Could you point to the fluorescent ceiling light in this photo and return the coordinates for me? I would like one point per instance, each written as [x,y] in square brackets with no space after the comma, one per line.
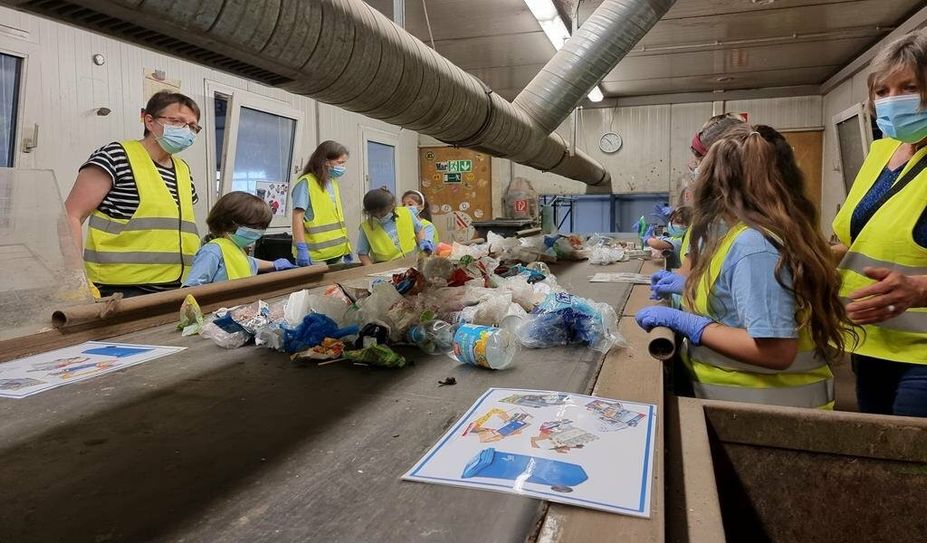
[553,27]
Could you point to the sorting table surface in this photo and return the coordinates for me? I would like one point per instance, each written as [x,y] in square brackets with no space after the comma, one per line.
[244,445]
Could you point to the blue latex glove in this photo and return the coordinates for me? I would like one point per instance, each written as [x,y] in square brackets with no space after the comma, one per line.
[665,283]
[283,264]
[302,255]
[687,324]
[649,232]
[426,246]
[663,211]
[348,259]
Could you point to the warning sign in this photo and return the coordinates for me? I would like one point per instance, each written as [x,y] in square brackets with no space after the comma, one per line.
[452,177]
[459,166]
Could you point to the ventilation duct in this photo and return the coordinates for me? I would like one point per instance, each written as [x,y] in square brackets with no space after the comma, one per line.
[587,57]
[345,53]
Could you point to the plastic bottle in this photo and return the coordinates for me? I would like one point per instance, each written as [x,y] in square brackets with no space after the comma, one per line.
[473,344]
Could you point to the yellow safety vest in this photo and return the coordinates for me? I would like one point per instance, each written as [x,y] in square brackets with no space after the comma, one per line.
[157,244]
[808,382]
[326,233]
[382,248]
[425,224]
[237,265]
[886,242]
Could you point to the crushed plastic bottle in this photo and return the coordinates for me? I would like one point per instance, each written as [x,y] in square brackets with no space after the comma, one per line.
[484,346]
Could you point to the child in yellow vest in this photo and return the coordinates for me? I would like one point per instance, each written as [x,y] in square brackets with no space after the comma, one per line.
[235,223]
[389,232]
[763,319]
[416,201]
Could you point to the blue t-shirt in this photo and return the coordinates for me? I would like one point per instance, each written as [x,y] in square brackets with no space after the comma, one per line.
[209,266]
[363,245]
[746,293]
[301,197]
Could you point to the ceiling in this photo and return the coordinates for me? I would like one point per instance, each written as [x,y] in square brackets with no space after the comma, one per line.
[700,45]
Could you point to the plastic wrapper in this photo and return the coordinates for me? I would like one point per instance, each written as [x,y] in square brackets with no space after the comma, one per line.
[490,312]
[372,333]
[382,297]
[253,316]
[191,317]
[312,331]
[329,349]
[438,270]
[301,303]
[562,318]
[270,336]
[459,251]
[499,245]
[225,332]
[605,250]
[377,355]
[522,292]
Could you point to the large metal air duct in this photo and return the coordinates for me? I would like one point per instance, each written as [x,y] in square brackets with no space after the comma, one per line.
[341,52]
[587,57]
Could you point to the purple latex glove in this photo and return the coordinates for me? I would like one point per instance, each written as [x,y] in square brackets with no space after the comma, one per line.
[302,255]
[283,264]
[687,324]
[664,283]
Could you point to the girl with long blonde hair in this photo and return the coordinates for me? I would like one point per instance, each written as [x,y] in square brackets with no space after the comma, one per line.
[762,319]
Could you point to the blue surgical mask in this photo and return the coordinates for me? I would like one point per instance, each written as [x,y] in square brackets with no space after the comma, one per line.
[676,230]
[336,171]
[901,118]
[385,218]
[245,237]
[175,140]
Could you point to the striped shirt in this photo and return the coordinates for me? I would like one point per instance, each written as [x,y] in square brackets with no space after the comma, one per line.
[121,202]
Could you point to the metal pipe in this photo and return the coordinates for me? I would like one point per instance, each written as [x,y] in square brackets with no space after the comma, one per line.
[341,52]
[588,56]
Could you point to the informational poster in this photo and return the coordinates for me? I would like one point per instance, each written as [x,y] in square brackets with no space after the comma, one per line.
[567,448]
[31,375]
[274,194]
[457,183]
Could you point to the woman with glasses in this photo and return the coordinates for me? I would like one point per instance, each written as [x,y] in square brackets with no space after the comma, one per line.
[139,200]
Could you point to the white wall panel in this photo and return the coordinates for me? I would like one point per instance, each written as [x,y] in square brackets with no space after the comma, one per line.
[71,88]
[781,113]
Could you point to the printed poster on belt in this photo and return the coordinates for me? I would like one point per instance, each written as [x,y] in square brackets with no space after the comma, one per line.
[568,448]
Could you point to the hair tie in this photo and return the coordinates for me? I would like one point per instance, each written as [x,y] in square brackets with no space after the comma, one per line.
[698,146]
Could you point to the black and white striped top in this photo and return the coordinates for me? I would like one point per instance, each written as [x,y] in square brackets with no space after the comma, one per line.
[121,201]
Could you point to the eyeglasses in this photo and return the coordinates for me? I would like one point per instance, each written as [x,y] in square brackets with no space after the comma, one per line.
[179,123]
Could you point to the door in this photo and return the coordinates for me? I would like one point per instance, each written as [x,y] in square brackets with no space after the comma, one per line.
[808,146]
[20,77]
[10,81]
[255,141]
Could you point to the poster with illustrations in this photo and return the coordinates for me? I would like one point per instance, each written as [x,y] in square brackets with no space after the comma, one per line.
[274,194]
[31,375]
[567,448]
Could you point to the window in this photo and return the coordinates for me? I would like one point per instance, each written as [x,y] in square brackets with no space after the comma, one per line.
[10,74]
[256,142]
[381,166]
[590,214]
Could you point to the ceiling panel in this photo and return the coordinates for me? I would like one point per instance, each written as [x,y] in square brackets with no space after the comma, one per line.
[736,60]
[700,8]
[745,80]
[773,23]
[497,51]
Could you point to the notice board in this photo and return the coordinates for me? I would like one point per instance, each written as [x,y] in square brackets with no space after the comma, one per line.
[458,186]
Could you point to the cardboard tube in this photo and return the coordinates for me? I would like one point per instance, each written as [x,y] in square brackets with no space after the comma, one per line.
[170,301]
[662,344]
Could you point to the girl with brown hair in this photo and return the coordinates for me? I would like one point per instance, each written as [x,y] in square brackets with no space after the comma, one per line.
[762,317]
[236,222]
[389,232]
[319,232]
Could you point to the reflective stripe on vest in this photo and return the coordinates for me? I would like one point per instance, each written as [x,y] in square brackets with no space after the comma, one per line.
[382,248]
[237,265]
[326,233]
[808,382]
[156,245]
[886,241]
[426,224]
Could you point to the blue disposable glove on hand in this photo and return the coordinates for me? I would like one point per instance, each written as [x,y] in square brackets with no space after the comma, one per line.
[687,324]
[283,264]
[664,283]
[302,255]
[426,246]
[649,232]
[663,211]
[348,259]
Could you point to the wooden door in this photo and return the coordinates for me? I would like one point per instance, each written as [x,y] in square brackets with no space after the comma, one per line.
[458,186]
[808,146]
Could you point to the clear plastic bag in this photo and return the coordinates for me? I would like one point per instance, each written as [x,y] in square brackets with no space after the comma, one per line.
[225,332]
[562,318]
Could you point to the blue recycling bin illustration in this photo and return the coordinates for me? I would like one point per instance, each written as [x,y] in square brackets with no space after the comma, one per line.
[493,464]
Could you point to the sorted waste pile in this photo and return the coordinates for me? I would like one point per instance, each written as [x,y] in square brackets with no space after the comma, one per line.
[478,304]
